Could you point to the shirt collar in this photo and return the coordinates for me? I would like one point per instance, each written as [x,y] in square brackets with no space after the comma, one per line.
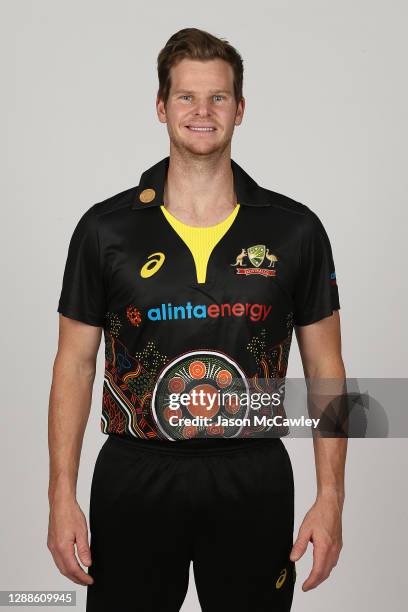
[149,192]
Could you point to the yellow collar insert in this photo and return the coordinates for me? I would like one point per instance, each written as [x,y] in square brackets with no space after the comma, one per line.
[201,240]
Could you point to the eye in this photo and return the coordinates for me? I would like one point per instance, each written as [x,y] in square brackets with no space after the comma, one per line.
[183,96]
[219,97]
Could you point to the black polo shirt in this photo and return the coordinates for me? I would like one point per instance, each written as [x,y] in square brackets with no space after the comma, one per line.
[129,272]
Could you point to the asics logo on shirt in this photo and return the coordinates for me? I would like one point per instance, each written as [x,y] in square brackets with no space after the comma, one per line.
[154,263]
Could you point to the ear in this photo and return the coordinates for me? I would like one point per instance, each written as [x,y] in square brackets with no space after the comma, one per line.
[240,111]
[161,110]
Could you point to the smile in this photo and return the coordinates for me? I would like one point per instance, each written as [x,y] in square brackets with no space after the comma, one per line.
[200,129]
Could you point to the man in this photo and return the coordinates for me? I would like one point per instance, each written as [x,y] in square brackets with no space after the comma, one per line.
[197,277]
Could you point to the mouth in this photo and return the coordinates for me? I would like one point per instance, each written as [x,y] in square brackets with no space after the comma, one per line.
[201,128]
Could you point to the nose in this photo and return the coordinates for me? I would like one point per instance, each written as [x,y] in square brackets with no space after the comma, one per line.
[202,108]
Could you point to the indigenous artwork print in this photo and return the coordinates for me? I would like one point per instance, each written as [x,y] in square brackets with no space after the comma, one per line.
[137,393]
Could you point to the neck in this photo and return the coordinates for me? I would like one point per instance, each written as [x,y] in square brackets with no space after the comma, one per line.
[198,187]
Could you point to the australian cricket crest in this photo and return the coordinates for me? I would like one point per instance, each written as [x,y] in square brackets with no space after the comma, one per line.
[250,260]
[256,254]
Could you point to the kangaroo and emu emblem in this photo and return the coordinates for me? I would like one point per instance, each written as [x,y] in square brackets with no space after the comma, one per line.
[256,255]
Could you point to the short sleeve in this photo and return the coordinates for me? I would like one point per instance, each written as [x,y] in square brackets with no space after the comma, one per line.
[316,292]
[83,292]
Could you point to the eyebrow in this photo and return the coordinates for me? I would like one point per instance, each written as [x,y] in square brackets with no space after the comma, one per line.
[212,91]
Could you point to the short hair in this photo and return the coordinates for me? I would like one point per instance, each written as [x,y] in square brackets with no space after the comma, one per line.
[195,44]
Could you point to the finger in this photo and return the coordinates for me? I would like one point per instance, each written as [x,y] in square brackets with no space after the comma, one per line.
[300,546]
[321,568]
[59,562]
[77,574]
[83,550]
[71,567]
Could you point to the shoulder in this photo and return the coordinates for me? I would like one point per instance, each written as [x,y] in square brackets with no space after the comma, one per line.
[113,205]
[298,214]
[105,213]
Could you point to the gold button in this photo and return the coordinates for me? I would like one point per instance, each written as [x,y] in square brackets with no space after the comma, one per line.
[147,195]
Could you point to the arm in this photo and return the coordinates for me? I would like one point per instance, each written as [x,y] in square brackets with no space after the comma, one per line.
[320,349]
[69,407]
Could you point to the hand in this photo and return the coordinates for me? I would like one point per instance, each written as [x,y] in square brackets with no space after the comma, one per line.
[67,526]
[322,526]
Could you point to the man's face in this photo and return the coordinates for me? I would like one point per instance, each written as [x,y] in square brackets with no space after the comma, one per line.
[201,96]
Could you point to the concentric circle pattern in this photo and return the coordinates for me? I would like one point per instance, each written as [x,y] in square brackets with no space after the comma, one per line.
[194,390]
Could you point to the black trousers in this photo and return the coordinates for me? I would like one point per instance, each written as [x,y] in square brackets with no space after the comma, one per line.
[156,506]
